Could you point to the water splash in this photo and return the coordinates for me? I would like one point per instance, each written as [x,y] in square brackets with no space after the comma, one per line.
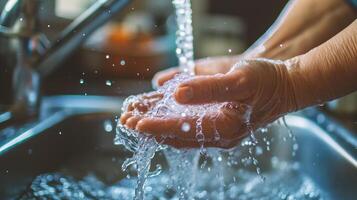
[285,182]
[182,164]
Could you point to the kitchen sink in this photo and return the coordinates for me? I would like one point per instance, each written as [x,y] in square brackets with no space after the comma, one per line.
[78,141]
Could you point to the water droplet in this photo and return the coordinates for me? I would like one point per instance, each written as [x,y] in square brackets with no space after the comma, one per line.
[295,147]
[122,62]
[200,137]
[258,150]
[186,127]
[321,118]
[108,127]
[264,130]
[178,51]
[108,83]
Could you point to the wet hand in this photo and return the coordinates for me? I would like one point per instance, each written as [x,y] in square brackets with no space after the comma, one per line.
[262,84]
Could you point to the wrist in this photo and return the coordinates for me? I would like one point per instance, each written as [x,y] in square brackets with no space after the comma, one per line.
[300,85]
[289,101]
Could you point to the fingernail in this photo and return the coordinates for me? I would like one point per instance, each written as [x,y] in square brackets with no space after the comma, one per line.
[184,94]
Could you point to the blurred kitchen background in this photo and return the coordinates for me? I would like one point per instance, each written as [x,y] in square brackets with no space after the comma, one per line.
[137,43]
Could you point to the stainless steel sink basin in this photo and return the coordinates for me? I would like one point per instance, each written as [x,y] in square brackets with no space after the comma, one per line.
[82,143]
[327,154]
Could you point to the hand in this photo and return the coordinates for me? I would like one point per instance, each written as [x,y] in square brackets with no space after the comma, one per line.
[135,110]
[206,66]
[263,84]
[223,128]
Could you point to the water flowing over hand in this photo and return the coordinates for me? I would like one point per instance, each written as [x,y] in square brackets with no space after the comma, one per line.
[263,85]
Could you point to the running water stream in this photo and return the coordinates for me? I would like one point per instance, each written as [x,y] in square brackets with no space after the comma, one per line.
[183,163]
[143,147]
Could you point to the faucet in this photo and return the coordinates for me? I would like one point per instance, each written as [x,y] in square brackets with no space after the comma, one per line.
[36,56]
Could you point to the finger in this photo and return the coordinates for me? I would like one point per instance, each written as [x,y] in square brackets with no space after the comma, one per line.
[124,117]
[153,101]
[163,76]
[206,89]
[140,106]
[152,95]
[183,128]
[211,66]
[130,107]
[145,102]
[168,127]
[132,121]
[232,121]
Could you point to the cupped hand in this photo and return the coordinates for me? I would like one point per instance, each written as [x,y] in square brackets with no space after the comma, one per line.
[262,84]
[222,128]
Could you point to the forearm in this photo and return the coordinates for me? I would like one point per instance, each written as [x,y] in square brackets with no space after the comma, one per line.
[303,25]
[328,71]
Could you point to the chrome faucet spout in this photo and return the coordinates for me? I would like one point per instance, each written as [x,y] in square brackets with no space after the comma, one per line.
[36,56]
[77,32]
[10,12]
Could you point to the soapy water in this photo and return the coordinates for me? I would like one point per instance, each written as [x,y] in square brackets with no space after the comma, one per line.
[285,183]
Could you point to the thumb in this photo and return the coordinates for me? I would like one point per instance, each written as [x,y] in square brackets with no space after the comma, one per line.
[206,89]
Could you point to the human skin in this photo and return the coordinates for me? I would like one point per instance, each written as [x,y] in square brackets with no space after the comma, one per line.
[302,25]
[315,71]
